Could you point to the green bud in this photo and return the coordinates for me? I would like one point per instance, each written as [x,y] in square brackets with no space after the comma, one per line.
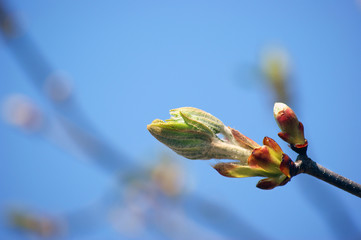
[192,133]
[189,132]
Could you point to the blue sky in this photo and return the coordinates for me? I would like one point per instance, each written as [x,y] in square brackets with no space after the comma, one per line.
[129,62]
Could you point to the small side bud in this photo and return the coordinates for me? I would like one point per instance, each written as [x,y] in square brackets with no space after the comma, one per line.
[291,129]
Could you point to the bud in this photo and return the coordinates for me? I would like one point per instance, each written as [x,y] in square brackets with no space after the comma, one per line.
[192,133]
[291,128]
[41,225]
[276,69]
[267,161]
[20,111]
[168,176]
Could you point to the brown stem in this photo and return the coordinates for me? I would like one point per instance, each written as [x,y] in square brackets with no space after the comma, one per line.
[307,165]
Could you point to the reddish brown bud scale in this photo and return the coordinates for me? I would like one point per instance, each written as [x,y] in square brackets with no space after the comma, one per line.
[284,136]
[287,119]
[267,184]
[242,140]
[224,169]
[260,157]
[270,183]
[287,165]
[284,182]
[300,127]
[302,145]
[272,144]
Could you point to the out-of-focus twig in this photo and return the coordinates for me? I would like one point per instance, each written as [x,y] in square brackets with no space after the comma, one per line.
[74,122]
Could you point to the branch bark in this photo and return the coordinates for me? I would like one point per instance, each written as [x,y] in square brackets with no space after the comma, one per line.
[306,165]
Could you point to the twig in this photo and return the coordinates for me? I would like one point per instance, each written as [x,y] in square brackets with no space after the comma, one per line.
[306,165]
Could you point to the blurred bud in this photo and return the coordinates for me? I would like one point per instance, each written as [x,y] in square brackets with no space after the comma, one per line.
[41,226]
[267,161]
[276,68]
[291,128]
[168,176]
[18,110]
[58,87]
[192,133]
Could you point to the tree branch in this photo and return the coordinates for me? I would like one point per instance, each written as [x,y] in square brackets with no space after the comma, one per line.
[306,165]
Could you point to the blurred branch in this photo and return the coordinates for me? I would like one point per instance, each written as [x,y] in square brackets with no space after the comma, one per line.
[220,217]
[71,116]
